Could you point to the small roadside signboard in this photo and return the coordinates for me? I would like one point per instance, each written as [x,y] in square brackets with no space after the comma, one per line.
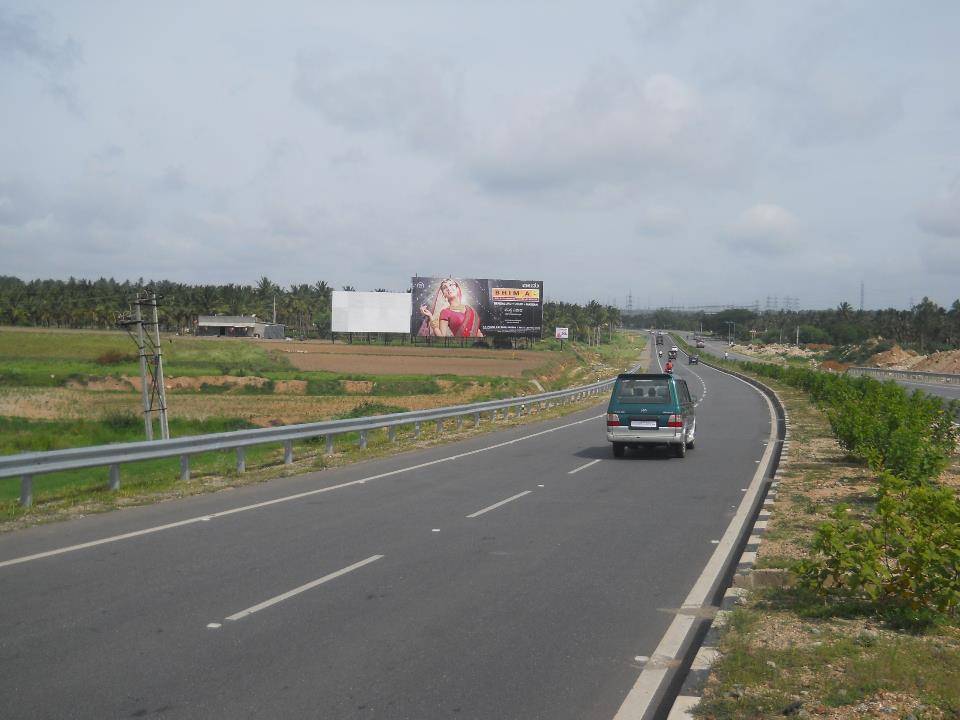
[562,333]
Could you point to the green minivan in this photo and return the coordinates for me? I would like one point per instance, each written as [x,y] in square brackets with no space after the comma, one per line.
[651,409]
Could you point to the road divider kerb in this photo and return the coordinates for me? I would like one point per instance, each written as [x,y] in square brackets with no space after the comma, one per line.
[708,653]
[649,689]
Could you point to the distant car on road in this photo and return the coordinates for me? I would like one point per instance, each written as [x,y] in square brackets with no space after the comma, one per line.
[651,409]
[693,359]
[700,344]
[673,352]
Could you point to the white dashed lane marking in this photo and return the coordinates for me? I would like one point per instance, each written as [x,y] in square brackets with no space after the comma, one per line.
[297,590]
[583,467]
[487,509]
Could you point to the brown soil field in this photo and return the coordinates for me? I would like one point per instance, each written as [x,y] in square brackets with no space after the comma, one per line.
[68,403]
[407,360]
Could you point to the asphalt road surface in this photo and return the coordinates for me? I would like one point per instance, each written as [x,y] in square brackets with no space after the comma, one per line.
[521,574]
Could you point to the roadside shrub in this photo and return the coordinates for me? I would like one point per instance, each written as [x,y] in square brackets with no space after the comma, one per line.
[266,388]
[122,421]
[324,386]
[210,389]
[911,436]
[367,408]
[115,357]
[904,559]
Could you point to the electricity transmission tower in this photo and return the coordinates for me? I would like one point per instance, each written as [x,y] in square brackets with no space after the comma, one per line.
[146,334]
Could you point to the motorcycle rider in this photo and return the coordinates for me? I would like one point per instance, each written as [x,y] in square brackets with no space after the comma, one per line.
[668,368]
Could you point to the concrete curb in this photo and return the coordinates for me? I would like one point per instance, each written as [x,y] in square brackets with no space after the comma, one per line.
[744,577]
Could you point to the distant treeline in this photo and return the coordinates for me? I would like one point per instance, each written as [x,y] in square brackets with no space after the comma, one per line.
[304,309]
[926,326]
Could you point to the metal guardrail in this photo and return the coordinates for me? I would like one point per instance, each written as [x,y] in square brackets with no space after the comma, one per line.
[27,465]
[909,375]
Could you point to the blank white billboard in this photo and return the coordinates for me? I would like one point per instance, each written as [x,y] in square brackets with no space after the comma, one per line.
[373,312]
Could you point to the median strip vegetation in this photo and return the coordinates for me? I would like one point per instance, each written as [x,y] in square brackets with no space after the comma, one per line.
[865,540]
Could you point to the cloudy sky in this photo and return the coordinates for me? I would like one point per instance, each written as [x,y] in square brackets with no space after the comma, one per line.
[687,152]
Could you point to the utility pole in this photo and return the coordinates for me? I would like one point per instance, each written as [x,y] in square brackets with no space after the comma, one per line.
[861,296]
[798,336]
[152,391]
[144,391]
[158,385]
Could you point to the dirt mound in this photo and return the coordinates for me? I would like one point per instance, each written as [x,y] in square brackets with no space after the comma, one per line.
[772,350]
[290,387]
[940,362]
[896,358]
[834,366]
[358,387]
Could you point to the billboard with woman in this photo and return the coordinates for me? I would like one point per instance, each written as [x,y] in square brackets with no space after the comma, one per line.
[470,307]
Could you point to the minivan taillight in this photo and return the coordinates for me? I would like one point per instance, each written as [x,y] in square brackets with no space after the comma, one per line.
[613,420]
[675,421]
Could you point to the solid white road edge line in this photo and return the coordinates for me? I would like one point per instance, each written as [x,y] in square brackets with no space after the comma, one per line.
[496,505]
[583,467]
[303,588]
[641,696]
[286,498]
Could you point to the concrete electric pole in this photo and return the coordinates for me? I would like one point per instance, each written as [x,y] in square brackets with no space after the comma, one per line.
[152,391]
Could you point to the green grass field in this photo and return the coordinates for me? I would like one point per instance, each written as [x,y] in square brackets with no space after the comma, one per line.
[45,361]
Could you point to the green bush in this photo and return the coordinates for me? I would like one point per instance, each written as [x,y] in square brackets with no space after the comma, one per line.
[324,386]
[266,388]
[122,421]
[904,559]
[366,409]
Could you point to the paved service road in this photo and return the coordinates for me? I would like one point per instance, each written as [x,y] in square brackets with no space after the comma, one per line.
[521,574]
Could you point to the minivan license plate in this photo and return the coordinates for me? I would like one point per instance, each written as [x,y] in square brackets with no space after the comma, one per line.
[643,423]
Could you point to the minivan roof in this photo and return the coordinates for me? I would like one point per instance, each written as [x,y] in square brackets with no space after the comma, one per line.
[643,376]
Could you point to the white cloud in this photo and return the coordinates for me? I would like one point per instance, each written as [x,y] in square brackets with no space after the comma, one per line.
[24,42]
[763,229]
[615,129]
[416,99]
[660,221]
[941,215]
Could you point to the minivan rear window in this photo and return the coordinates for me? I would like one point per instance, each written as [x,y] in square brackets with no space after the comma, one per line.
[652,391]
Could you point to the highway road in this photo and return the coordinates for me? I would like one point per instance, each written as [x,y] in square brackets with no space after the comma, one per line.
[716,347]
[519,574]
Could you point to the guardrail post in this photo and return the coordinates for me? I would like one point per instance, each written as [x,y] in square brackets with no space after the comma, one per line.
[523,409]
[328,450]
[241,460]
[392,433]
[114,477]
[476,420]
[26,490]
[439,427]
[459,423]
[184,467]
[416,430]
[288,452]
[363,439]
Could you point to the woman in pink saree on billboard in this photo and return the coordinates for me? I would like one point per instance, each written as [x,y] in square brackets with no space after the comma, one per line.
[449,316]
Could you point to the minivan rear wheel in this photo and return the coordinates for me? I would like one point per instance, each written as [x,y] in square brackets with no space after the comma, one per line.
[618,449]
